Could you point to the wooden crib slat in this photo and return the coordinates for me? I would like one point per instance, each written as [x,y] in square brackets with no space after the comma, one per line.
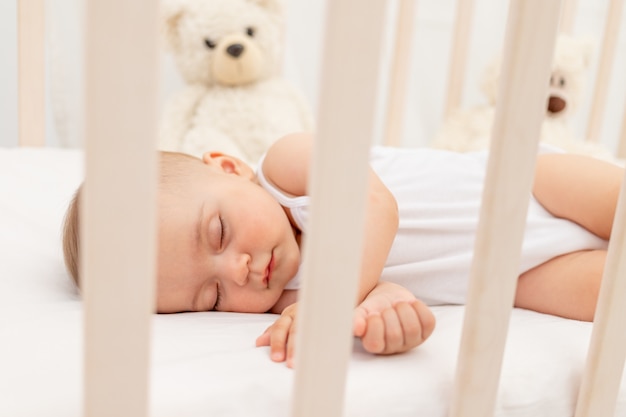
[31,72]
[621,149]
[119,210]
[607,352]
[458,59]
[603,77]
[337,186]
[568,16]
[400,67]
[530,38]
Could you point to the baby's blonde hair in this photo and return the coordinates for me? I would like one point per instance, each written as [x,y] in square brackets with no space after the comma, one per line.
[174,168]
[71,235]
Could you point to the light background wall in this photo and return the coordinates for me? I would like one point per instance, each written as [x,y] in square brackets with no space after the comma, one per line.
[305,19]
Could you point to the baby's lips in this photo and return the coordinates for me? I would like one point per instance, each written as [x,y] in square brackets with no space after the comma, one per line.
[268,271]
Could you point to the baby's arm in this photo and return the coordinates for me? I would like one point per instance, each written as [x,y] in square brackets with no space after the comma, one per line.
[287,167]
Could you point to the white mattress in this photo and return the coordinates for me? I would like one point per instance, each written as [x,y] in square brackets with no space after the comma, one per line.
[206,363]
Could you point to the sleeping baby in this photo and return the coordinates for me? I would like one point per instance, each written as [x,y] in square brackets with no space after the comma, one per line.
[230,238]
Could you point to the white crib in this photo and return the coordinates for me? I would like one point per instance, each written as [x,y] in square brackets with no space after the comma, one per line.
[117,341]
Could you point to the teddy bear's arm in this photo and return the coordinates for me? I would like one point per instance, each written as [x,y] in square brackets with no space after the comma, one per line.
[204,138]
[305,112]
[306,121]
[177,116]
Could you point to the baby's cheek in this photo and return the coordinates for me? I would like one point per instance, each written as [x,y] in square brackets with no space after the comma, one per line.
[256,302]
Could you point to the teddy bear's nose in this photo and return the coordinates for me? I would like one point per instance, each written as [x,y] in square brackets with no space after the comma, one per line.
[235,50]
[556,104]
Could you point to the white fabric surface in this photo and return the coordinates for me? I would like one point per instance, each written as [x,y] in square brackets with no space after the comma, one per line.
[206,363]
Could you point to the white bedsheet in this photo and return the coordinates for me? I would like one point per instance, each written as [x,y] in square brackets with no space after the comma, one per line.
[206,363]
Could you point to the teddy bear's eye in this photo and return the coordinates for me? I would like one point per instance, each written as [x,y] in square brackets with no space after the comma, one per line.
[250,31]
[562,82]
[208,42]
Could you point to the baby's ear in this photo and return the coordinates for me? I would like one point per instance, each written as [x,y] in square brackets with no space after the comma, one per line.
[228,164]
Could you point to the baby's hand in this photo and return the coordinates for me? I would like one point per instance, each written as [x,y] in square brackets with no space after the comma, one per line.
[391,320]
[280,336]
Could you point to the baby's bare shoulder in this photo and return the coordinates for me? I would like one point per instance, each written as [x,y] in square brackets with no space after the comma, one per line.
[287,162]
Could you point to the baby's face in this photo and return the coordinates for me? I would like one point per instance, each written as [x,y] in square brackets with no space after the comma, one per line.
[224,244]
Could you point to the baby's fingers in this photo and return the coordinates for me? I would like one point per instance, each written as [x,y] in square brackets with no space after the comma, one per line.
[374,338]
[394,332]
[278,338]
[359,321]
[291,343]
[264,339]
[398,329]
[409,319]
[426,319]
[385,334]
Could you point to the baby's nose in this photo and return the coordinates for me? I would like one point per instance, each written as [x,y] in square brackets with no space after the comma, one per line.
[240,269]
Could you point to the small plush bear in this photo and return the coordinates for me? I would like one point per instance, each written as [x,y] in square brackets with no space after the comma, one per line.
[470,128]
[229,52]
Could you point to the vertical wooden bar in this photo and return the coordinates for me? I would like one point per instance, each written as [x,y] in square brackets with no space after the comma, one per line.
[568,16]
[350,73]
[603,77]
[458,59]
[621,149]
[400,73]
[31,72]
[530,38]
[119,210]
[607,352]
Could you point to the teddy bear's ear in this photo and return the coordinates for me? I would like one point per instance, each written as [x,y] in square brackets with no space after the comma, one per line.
[276,6]
[587,46]
[573,53]
[490,78]
[171,13]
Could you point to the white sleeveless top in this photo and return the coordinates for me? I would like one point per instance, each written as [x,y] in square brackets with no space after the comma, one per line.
[439,196]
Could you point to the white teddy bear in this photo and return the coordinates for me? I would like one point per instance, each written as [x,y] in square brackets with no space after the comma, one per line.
[229,52]
[470,129]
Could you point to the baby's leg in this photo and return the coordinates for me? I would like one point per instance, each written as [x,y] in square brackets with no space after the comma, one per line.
[581,189]
[585,191]
[565,286]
